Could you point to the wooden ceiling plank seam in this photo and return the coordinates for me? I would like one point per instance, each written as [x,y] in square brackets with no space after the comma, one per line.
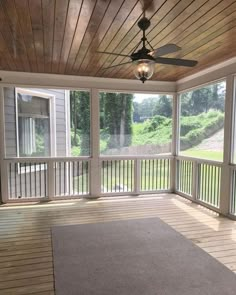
[23,13]
[174,8]
[111,36]
[8,38]
[179,18]
[48,14]
[28,41]
[75,7]
[86,12]
[109,18]
[11,15]
[97,56]
[215,33]
[115,30]
[12,37]
[91,34]
[6,60]
[63,40]
[199,15]
[36,19]
[224,48]
[207,24]
[228,43]
[61,12]
[173,13]
[217,20]
[207,47]
[128,44]
[41,9]
[192,37]
[130,36]
[219,60]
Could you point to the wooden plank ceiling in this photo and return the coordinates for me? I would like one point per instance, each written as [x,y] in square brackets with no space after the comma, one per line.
[62,36]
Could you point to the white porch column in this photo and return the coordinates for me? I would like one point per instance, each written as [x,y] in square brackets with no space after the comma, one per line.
[4,168]
[225,176]
[175,142]
[95,167]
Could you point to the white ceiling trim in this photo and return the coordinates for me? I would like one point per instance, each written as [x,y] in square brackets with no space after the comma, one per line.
[75,82]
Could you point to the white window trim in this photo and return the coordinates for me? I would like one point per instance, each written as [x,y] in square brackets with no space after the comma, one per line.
[52,124]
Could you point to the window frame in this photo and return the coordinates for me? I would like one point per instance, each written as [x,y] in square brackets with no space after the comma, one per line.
[168,93]
[178,114]
[52,127]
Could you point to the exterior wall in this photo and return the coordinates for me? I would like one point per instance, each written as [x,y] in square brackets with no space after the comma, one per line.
[59,115]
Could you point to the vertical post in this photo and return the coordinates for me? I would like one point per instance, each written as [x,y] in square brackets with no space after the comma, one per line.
[95,167]
[175,143]
[51,179]
[137,171]
[195,180]
[4,166]
[228,131]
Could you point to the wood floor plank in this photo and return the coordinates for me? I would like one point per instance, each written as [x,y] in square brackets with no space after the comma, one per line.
[26,263]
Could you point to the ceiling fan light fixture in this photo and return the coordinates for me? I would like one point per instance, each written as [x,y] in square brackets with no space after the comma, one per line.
[144,69]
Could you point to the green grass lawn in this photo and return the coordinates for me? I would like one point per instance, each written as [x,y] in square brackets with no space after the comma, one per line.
[208,176]
[208,155]
[154,176]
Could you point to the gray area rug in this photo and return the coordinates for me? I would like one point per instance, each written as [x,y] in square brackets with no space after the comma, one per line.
[134,257]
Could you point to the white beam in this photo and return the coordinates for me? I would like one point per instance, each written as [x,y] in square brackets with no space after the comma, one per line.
[75,82]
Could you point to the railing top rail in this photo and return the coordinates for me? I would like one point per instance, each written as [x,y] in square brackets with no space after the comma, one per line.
[45,159]
[200,161]
[147,157]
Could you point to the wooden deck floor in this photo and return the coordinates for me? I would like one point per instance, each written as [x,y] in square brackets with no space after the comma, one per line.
[25,241]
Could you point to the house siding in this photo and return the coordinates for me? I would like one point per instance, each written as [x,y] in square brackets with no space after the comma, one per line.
[10,120]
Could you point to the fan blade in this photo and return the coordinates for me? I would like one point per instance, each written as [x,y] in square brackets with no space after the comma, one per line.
[147,5]
[163,50]
[176,61]
[124,63]
[117,54]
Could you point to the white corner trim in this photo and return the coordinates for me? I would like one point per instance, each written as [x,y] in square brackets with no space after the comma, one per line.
[228,62]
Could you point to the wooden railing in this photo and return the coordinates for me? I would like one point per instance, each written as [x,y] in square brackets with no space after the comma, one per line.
[45,178]
[233,191]
[184,179]
[136,174]
[209,183]
[200,180]
[49,178]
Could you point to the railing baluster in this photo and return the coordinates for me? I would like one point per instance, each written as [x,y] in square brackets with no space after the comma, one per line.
[10,191]
[115,177]
[40,181]
[45,179]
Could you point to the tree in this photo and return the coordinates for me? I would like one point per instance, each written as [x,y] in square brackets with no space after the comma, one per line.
[118,118]
[80,120]
[164,107]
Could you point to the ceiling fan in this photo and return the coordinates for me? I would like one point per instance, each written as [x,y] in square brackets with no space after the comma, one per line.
[145,58]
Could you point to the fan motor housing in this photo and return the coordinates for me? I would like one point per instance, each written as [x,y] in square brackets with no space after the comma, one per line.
[143,53]
[144,23]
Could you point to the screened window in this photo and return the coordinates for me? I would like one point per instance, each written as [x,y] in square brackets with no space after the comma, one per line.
[135,124]
[33,125]
[233,160]
[202,113]
[80,122]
